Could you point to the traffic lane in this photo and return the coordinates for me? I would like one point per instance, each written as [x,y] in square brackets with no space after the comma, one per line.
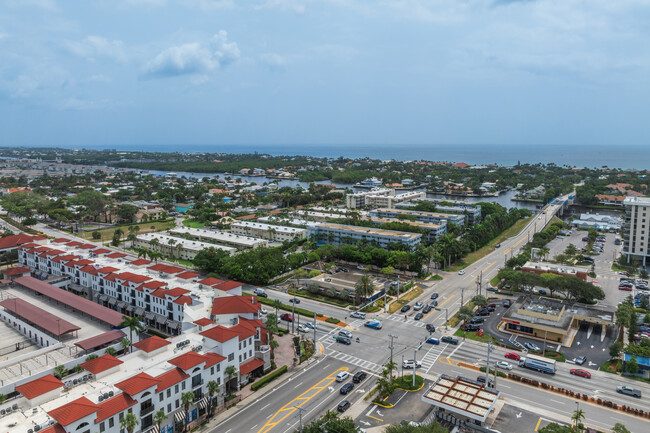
[308,304]
[587,342]
[516,392]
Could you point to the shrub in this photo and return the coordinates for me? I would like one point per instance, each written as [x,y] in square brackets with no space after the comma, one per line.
[96,235]
[332,320]
[269,377]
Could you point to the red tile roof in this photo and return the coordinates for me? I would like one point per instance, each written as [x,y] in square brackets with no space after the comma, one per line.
[74,244]
[244,331]
[100,339]
[19,270]
[116,255]
[39,386]
[170,378]
[157,267]
[103,363]
[228,285]
[204,322]
[154,284]
[136,384]
[187,275]
[114,406]
[61,240]
[140,262]
[65,258]
[56,428]
[87,246]
[213,358]
[107,270]
[151,344]
[251,365]
[183,300]
[101,251]
[73,411]
[235,305]
[38,316]
[220,334]
[210,281]
[177,291]
[14,241]
[188,360]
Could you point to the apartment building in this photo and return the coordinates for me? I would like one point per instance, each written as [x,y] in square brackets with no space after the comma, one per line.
[471,210]
[358,200]
[432,231]
[267,231]
[427,217]
[175,247]
[218,236]
[636,229]
[382,198]
[351,235]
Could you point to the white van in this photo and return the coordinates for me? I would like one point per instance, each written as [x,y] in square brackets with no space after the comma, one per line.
[342,375]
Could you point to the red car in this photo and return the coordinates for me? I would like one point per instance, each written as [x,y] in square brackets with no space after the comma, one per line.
[628,288]
[581,373]
[512,355]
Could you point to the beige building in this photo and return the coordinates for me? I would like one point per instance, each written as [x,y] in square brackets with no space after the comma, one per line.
[267,231]
[636,237]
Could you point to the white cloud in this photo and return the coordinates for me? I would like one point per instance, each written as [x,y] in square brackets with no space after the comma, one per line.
[297,6]
[193,58]
[273,60]
[76,104]
[99,78]
[41,4]
[93,47]
[208,5]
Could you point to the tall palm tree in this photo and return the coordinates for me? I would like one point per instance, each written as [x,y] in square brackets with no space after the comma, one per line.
[129,422]
[187,398]
[134,324]
[159,417]
[213,388]
[364,288]
[277,304]
[577,417]
[230,372]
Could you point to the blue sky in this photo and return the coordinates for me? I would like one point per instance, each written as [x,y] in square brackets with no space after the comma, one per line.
[133,73]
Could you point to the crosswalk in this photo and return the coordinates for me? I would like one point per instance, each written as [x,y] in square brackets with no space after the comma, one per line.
[354,360]
[408,321]
[432,355]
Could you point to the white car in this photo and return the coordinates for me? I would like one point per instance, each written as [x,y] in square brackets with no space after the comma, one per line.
[263,311]
[418,306]
[358,315]
[409,363]
[311,325]
[303,328]
[461,272]
[504,365]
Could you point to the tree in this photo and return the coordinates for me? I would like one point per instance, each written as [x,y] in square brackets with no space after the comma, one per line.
[555,428]
[543,251]
[230,372]
[577,418]
[213,388]
[129,422]
[331,423]
[60,371]
[187,398]
[298,274]
[643,273]
[464,314]
[110,351]
[480,301]
[125,342]
[277,304]
[620,428]
[632,366]
[117,236]
[364,288]
[403,427]
[159,417]
[615,349]
[623,315]
[126,212]
[134,324]
[272,323]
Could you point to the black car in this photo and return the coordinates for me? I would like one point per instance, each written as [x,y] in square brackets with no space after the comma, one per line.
[359,376]
[481,379]
[344,340]
[405,308]
[434,296]
[433,304]
[581,360]
[347,388]
[418,316]
[343,406]
[472,327]
[431,328]
[294,300]
[476,320]
[426,309]
[490,308]
[483,312]
[450,340]
[507,303]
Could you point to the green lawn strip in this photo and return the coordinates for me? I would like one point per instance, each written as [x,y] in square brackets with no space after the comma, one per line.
[268,378]
[298,310]
[320,298]
[107,234]
[193,224]
[485,338]
[453,320]
[552,354]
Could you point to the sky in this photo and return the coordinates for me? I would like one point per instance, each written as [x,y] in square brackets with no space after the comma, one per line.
[184,73]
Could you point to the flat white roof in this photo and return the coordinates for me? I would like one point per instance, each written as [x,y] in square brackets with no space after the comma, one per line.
[266,227]
[219,235]
[462,396]
[187,244]
[636,201]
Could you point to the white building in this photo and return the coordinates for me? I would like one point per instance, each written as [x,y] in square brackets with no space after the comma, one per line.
[268,231]
[174,247]
[218,236]
[344,234]
[636,237]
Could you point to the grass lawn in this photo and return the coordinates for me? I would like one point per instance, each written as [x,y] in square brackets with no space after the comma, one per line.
[406,382]
[405,299]
[107,234]
[484,251]
[193,224]
[611,366]
[485,338]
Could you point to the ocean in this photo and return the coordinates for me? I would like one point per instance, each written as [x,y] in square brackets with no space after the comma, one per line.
[590,156]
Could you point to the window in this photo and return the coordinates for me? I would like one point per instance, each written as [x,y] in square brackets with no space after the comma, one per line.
[176,389]
[183,384]
[161,396]
[121,415]
[240,345]
[169,392]
[169,408]
[102,427]
[231,357]
[177,404]
[212,370]
[239,358]
[218,368]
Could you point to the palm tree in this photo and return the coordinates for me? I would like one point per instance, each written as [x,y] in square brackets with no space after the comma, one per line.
[543,251]
[213,388]
[230,372]
[364,288]
[187,398]
[110,351]
[577,417]
[277,304]
[134,324]
[388,368]
[129,422]
[60,371]
[159,417]
[125,342]
[274,344]
[464,314]
[131,237]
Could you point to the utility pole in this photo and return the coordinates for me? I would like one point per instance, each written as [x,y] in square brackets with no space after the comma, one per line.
[300,409]
[293,315]
[415,364]
[384,301]
[391,347]
[314,331]
[462,290]
[487,368]
[397,288]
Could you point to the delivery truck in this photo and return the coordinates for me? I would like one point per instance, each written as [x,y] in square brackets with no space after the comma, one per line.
[538,363]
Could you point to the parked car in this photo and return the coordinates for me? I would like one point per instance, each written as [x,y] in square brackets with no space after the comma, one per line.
[343,340]
[581,360]
[410,363]
[490,382]
[513,355]
[542,292]
[328,279]
[294,300]
[476,320]
[260,292]
[625,287]
[504,365]
[418,316]
[434,296]
[405,308]
[343,406]
[347,388]
[471,327]
[418,306]
[344,333]
[286,317]
[361,268]
[358,315]
[450,340]
[461,272]
[263,311]
[359,376]
[483,312]
[627,390]
[531,346]
[507,303]
[581,373]
[431,327]
[432,340]
[427,309]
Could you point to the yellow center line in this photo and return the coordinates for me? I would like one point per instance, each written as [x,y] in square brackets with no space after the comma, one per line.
[378,419]
[488,267]
[303,398]
[433,311]
[539,421]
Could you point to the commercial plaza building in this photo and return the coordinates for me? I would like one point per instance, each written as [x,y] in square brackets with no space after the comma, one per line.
[344,234]
[174,247]
[432,231]
[426,217]
[636,237]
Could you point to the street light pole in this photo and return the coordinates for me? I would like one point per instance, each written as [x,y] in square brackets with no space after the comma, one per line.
[293,314]
[487,368]
[415,364]
[391,347]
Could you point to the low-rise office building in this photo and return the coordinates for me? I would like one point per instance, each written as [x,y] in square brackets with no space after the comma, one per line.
[218,236]
[432,231]
[470,209]
[552,268]
[268,231]
[351,235]
[598,222]
[174,247]
[427,217]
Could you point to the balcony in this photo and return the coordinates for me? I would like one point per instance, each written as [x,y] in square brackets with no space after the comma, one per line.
[144,410]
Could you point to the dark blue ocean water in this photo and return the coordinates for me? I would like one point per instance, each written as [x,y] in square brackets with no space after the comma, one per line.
[616,156]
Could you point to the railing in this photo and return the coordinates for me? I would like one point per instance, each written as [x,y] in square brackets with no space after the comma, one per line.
[145,410]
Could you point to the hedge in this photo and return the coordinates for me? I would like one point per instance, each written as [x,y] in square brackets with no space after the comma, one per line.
[286,307]
[266,379]
[332,320]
